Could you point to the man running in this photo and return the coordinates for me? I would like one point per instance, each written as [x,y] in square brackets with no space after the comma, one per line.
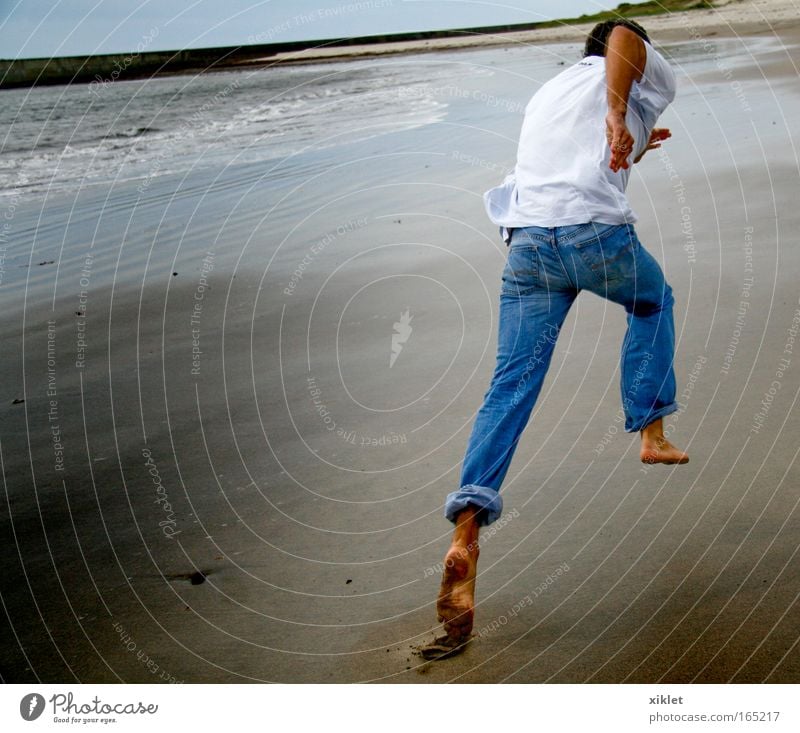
[569,227]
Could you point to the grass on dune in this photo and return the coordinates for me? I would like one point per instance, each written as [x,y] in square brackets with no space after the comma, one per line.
[631,10]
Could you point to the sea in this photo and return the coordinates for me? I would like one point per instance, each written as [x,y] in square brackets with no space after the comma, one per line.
[74,137]
[67,138]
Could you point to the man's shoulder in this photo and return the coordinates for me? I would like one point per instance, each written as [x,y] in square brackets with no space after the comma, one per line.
[586,67]
[658,78]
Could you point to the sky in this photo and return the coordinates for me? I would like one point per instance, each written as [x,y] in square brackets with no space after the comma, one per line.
[46,28]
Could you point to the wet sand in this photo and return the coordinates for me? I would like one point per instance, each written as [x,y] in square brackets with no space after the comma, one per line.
[252,491]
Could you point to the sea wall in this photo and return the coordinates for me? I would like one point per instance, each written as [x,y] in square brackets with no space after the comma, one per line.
[113,67]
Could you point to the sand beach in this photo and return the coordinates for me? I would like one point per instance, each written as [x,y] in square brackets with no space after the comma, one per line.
[219,466]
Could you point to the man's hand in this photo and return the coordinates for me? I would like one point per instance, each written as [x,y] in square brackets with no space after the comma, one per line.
[619,140]
[656,136]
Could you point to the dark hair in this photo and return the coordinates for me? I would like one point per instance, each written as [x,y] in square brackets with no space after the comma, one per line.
[596,40]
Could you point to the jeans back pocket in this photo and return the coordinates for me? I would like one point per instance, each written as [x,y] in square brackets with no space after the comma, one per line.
[520,275]
[607,254]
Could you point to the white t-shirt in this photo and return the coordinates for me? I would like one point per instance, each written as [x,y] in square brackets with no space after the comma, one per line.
[562,175]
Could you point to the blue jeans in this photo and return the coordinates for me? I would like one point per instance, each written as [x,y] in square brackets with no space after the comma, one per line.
[544,272]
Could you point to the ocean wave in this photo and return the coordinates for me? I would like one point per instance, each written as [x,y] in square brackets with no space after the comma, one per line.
[133,132]
[66,136]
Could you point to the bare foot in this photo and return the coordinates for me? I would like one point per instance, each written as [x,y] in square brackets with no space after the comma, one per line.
[657,449]
[456,603]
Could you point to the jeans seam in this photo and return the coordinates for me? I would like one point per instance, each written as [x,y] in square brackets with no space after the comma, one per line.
[554,244]
[623,360]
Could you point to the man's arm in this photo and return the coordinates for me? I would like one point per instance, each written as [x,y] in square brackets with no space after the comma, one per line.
[626,57]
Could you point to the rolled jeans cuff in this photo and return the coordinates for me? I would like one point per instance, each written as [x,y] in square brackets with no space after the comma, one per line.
[634,426]
[487,500]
